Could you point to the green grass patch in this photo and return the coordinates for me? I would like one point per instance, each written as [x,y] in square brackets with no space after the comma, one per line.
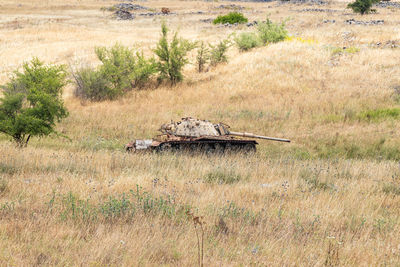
[231,18]
[344,50]
[379,114]
[126,207]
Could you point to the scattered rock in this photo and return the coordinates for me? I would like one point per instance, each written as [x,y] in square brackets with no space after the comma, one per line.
[388,44]
[207,20]
[128,7]
[385,4]
[318,10]
[151,14]
[262,1]
[251,24]
[228,25]
[124,15]
[195,13]
[360,22]
[302,2]
[231,6]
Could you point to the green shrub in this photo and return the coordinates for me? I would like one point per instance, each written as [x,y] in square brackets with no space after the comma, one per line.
[32,102]
[362,6]
[172,57]
[231,18]
[218,52]
[247,40]
[270,32]
[203,56]
[92,85]
[124,68]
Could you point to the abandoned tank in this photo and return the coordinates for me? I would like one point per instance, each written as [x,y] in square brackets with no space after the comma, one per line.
[191,134]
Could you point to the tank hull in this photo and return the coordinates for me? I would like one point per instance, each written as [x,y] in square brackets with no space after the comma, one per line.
[208,145]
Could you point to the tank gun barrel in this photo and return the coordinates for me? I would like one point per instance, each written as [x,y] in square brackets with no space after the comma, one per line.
[258,136]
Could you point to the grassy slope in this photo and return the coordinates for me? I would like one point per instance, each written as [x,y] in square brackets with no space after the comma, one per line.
[331,192]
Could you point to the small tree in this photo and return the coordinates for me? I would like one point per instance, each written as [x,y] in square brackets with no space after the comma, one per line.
[362,6]
[172,57]
[203,56]
[124,68]
[32,102]
[247,40]
[270,32]
[218,52]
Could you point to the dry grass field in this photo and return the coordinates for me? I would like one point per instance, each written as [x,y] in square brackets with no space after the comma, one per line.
[331,197]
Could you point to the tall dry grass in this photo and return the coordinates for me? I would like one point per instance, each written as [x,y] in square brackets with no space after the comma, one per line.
[329,198]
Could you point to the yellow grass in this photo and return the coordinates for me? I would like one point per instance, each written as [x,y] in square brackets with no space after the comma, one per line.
[330,197]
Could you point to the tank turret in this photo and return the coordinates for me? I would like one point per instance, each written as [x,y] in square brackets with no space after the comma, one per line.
[195,134]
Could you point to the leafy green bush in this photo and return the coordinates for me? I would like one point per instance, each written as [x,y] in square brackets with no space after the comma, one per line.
[172,57]
[231,18]
[218,52]
[32,102]
[362,6]
[122,69]
[270,32]
[247,40]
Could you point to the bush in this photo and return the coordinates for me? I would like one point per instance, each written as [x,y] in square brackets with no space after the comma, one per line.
[362,6]
[231,18]
[247,40]
[218,52]
[32,102]
[203,56]
[270,32]
[122,69]
[172,57]
[92,85]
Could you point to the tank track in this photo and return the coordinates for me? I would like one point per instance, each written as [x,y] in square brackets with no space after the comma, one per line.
[209,146]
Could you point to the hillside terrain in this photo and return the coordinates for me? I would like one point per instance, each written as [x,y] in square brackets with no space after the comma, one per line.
[331,197]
